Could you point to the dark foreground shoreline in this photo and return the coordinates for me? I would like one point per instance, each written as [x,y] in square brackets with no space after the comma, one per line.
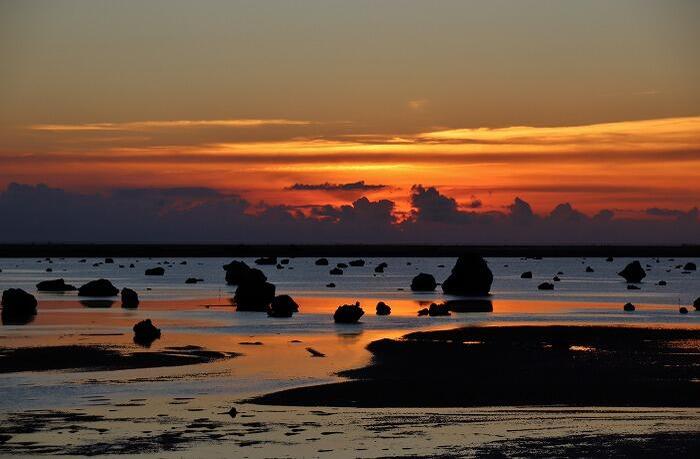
[101,358]
[339,250]
[519,365]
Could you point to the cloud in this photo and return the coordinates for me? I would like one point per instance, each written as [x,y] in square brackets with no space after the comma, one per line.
[172,124]
[353,186]
[38,213]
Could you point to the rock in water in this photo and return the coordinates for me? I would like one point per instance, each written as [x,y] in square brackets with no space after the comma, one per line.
[130,299]
[235,271]
[470,276]
[423,282]
[99,287]
[348,313]
[380,267]
[526,275]
[282,306]
[357,263]
[383,309]
[254,293]
[145,333]
[159,271]
[633,272]
[545,286]
[423,312]
[336,272]
[628,307]
[17,305]
[438,310]
[696,304]
[683,310]
[609,259]
[56,285]
[266,261]
[589,269]
[690,267]
[322,262]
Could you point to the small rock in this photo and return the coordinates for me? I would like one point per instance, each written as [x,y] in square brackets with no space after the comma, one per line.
[357,263]
[314,352]
[423,282]
[56,285]
[545,286]
[628,307]
[99,287]
[589,269]
[438,310]
[423,312]
[330,285]
[321,262]
[266,261]
[383,309]
[336,272]
[526,275]
[130,299]
[348,313]
[159,271]
[145,332]
[633,272]
[690,267]
[683,310]
[282,306]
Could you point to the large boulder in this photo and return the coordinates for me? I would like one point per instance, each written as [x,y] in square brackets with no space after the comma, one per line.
[55,285]
[423,282]
[235,271]
[470,276]
[158,271]
[383,309]
[254,293]
[348,313]
[18,306]
[633,272]
[130,299]
[690,266]
[282,306]
[145,332]
[99,287]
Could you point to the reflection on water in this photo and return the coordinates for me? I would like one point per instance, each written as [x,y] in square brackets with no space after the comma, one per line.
[97,303]
[470,305]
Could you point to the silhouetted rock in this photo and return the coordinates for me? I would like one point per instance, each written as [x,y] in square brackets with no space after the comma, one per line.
[341,265]
[633,272]
[314,352]
[357,263]
[348,313]
[696,304]
[109,260]
[436,309]
[423,312]
[470,276]
[526,275]
[628,307]
[18,306]
[130,299]
[383,309]
[254,293]
[330,285]
[545,286]
[158,271]
[423,282]
[683,310]
[609,259]
[336,272]
[131,265]
[589,269]
[284,261]
[193,280]
[556,279]
[690,267]
[282,306]
[49,270]
[380,267]
[99,287]
[266,261]
[632,287]
[279,266]
[145,333]
[322,262]
[661,283]
[183,262]
[235,271]
[56,285]
[470,305]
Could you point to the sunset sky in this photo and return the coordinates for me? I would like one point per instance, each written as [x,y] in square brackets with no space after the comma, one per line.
[308,103]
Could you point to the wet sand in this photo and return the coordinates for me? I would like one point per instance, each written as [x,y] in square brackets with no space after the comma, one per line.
[522,365]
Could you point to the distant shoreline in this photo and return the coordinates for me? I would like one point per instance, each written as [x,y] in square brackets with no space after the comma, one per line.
[339,250]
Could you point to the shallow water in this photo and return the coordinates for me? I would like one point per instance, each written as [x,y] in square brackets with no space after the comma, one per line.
[202,314]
